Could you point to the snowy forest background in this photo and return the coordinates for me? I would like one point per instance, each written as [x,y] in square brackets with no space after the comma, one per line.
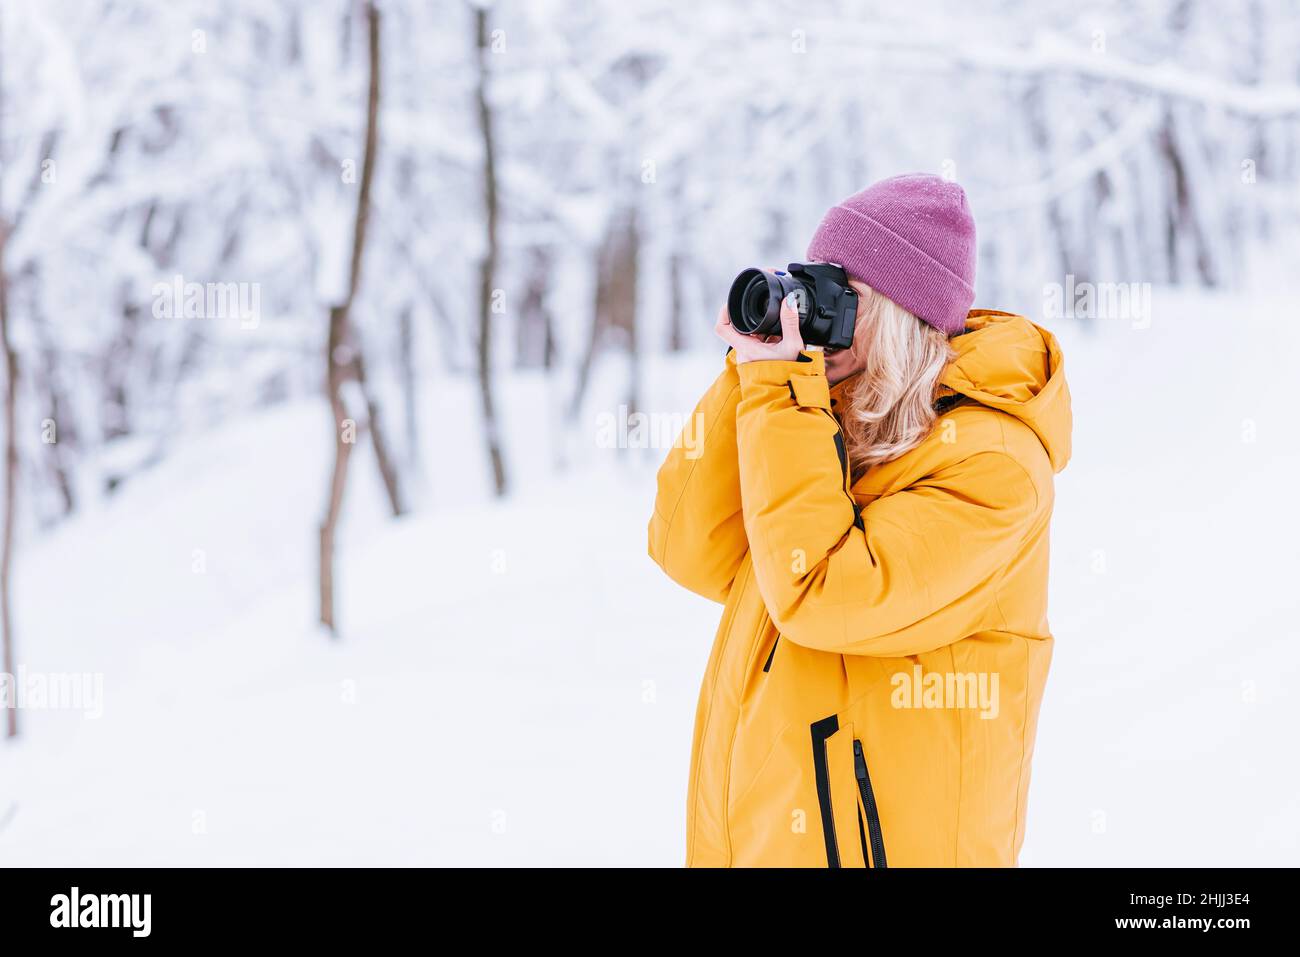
[343,543]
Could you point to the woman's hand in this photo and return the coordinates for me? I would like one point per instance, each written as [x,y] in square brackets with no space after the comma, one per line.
[756,348]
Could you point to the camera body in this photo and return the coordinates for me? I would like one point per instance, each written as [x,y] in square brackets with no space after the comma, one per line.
[827,304]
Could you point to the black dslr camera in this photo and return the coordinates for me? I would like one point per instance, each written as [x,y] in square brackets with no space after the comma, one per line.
[828,306]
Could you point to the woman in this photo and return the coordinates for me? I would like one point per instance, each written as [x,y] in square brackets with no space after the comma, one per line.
[875,522]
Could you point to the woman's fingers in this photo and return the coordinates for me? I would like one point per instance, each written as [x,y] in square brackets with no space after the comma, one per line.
[790,323]
[723,326]
[726,331]
[749,348]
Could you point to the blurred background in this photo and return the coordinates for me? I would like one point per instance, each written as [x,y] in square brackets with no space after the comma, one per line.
[342,339]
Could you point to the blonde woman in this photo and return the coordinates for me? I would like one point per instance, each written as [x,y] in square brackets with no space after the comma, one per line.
[875,522]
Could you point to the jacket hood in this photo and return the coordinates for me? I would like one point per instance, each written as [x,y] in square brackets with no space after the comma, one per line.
[1008,363]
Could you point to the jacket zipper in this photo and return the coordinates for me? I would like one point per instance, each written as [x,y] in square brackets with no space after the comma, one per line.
[771,654]
[843,453]
[877,837]
[821,730]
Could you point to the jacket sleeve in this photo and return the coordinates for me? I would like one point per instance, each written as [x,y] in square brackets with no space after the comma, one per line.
[697,534]
[894,578]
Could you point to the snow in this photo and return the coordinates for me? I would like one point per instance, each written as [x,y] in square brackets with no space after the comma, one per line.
[494,658]
[1167,733]
[516,682]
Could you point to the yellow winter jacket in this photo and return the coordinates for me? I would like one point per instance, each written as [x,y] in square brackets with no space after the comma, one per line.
[873,689]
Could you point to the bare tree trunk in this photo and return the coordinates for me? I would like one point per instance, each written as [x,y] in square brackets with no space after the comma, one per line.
[677,304]
[534,330]
[10,454]
[340,362]
[1182,222]
[344,437]
[614,312]
[378,439]
[627,280]
[487,268]
[59,453]
[57,458]
[410,390]
[1035,107]
[11,480]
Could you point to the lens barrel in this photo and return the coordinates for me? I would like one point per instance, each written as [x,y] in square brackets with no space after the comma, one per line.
[754,302]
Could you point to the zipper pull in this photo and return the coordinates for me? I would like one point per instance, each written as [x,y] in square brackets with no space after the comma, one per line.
[859,761]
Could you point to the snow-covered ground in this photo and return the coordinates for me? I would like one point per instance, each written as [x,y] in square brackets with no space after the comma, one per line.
[516,682]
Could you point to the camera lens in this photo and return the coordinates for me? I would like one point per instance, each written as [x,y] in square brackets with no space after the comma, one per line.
[757,297]
[754,302]
[826,304]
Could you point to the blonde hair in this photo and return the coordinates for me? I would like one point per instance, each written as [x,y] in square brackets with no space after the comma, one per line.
[889,407]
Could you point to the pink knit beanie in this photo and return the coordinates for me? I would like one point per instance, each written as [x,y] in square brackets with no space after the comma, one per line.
[910,238]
